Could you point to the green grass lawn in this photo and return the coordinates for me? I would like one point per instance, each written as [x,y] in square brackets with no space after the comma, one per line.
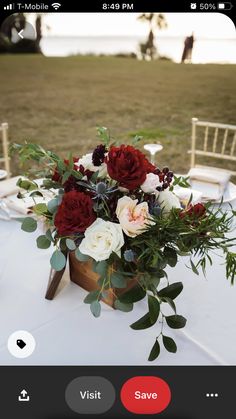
[58,102]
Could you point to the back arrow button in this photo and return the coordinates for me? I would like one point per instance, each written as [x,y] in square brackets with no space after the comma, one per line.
[20,34]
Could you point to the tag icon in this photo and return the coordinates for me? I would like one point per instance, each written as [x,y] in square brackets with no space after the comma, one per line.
[24,397]
[20,343]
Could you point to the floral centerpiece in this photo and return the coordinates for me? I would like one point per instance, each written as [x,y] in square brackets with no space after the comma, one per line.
[119,211]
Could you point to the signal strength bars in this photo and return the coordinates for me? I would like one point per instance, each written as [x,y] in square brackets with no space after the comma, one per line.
[9,6]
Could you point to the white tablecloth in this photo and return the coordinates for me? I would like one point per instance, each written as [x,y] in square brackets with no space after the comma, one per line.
[66,333]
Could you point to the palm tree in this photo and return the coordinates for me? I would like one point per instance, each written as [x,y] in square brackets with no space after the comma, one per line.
[155,21]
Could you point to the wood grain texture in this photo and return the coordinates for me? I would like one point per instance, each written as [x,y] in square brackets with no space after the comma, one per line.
[81,273]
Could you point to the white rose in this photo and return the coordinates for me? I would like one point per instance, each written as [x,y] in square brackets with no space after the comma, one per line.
[168,200]
[150,184]
[133,217]
[101,239]
[87,163]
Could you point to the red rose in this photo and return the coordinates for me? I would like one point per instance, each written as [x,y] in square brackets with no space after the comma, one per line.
[197,210]
[128,166]
[74,214]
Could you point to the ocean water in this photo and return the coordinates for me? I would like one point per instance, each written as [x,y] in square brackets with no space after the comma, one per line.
[204,50]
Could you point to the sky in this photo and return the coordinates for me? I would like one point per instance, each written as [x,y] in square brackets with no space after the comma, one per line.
[204,25]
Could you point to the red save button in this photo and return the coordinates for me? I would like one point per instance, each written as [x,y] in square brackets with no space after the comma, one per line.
[145,395]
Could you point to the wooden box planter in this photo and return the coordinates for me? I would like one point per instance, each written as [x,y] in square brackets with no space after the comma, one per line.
[82,274]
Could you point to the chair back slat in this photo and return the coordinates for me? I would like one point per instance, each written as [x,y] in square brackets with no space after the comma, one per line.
[215,140]
[4,137]
[224,141]
[206,138]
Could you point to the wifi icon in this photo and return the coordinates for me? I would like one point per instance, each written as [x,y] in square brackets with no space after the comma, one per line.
[56,5]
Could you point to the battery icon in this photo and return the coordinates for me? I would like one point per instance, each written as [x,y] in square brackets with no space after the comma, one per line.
[224,6]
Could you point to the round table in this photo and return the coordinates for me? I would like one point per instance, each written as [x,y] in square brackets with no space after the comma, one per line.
[66,333]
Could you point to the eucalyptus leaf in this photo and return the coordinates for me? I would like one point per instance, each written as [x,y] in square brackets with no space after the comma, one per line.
[92,296]
[95,308]
[169,344]
[29,225]
[48,234]
[40,209]
[70,244]
[176,321]
[155,351]
[101,268]
[52,205]
[43,242]
[27,184]
[94,264]
[118,281]
[58,260]
[123,307]
[80,256]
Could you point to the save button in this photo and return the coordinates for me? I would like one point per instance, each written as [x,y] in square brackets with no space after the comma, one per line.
[145,395]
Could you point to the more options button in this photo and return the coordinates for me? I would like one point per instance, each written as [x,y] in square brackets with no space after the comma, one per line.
[145,395]
[90,395]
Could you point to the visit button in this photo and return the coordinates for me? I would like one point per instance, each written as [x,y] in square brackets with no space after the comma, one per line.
[90,395]
[145,395]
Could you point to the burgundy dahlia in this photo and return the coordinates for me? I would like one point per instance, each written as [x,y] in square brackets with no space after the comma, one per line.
[128,166]
[75,213]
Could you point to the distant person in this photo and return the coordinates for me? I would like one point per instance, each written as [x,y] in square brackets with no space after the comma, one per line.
[150,40]
[188,48]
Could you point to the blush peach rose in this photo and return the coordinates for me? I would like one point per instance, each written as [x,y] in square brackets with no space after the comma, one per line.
[133,217]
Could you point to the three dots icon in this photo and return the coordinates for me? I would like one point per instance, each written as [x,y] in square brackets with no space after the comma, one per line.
[212,395]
